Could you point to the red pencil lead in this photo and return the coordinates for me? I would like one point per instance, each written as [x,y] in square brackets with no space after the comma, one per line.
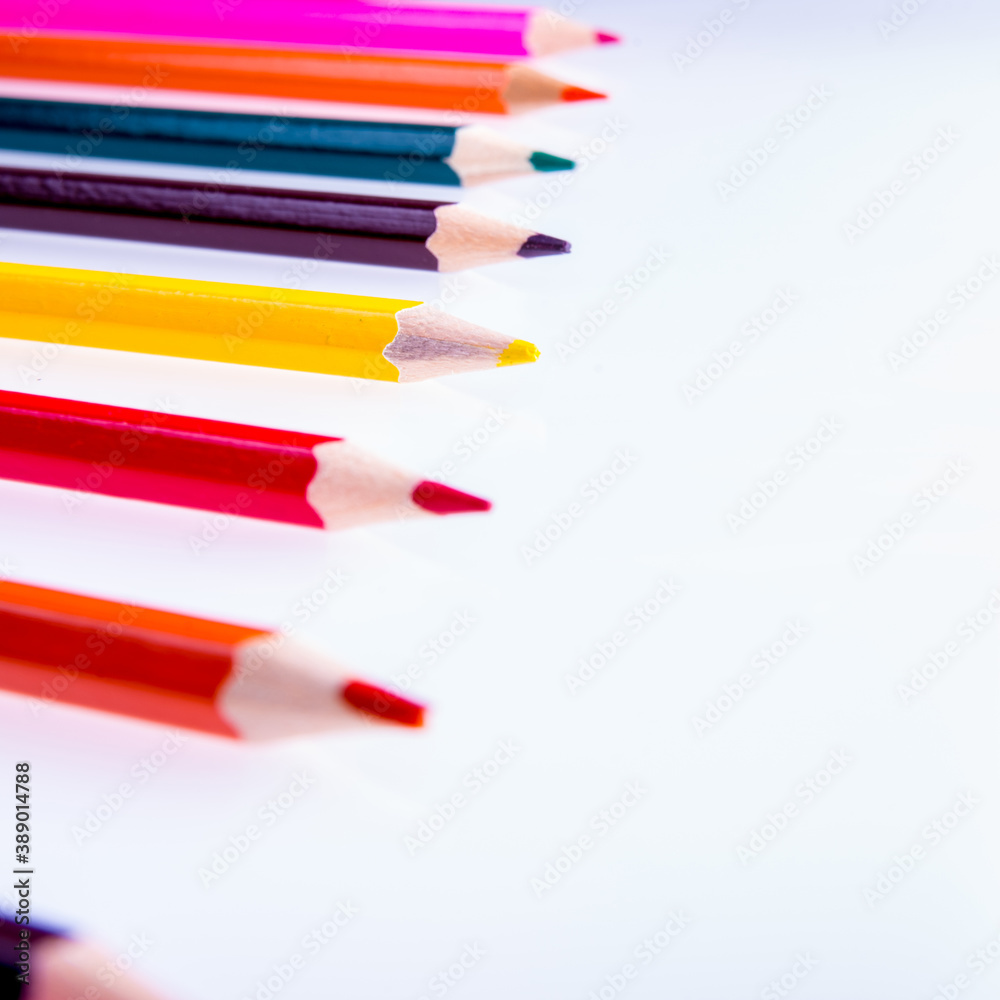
[383,704]
[606,38]
[581,94]
[441,499]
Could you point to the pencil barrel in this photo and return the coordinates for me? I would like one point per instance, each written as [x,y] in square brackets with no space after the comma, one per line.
[158,457]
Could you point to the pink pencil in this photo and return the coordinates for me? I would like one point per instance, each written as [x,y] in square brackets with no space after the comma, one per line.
[352,24]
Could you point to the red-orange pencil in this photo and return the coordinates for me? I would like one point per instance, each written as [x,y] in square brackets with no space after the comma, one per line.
[229,680]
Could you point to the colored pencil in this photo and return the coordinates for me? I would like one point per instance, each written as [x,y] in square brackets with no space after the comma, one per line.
[38,963]
[427,154]
[277,475]
[394,340]
[397,232]
[354,24]
[230,680]
[494,87]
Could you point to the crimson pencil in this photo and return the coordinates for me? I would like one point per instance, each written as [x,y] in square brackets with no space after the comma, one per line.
[276,475]
[220,678]
[398,232]
[368,24]
[38,963]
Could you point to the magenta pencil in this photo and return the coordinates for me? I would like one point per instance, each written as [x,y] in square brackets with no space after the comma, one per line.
[352,24]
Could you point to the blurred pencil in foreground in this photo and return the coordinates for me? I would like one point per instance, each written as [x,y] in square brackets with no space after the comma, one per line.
[491,87]
[41,964]
[228,680]
[370,24]
[420,154]
[393,232]
[393,340]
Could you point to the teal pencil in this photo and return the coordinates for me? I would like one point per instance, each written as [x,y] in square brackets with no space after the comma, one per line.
[426,154]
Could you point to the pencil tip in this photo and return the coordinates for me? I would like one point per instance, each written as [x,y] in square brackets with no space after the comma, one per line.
[540,245]
[441,499]
[581,94]
[383,704]
[606,38]
[518,352]
[547,162]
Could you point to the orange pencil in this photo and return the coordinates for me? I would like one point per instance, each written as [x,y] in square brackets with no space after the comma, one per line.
[495,87]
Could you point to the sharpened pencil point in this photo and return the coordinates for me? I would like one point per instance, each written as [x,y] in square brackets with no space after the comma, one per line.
[547,162]
[540,245]
[519,352]
[581,94]
[606,38]
[383,704]
[441,499]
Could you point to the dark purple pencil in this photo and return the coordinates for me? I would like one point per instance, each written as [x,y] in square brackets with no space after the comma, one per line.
[396,232]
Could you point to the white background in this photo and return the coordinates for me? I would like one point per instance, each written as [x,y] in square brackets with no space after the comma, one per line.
[564,419]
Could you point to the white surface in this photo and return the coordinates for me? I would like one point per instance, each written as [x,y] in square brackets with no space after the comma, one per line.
[563,421]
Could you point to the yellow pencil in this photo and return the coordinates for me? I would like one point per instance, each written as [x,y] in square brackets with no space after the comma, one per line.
[395,340]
